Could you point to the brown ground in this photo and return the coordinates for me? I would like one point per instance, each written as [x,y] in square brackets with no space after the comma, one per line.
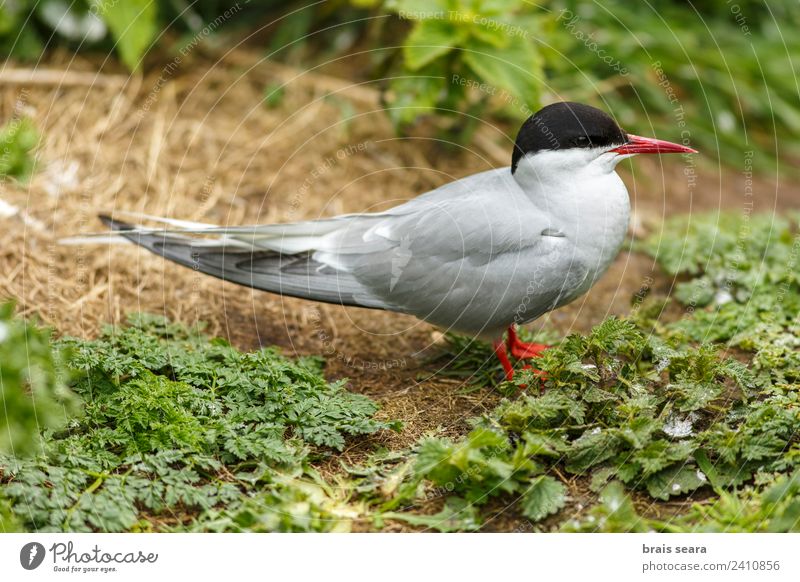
[200,145]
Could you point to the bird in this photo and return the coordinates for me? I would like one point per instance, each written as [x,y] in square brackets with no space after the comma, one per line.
[478,255]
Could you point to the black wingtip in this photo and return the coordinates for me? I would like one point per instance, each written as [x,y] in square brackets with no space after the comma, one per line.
[115,224]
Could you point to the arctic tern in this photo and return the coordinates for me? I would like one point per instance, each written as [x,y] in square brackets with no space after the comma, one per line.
[478,255]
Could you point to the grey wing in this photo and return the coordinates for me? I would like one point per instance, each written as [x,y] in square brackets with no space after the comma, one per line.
[462,258]
[450,256]
[295,275]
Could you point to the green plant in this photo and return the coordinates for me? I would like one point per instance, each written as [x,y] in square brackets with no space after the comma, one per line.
[179,430]
[609,403]
[33,389]
[614,513]
[133,24]
[772,504]
[664,419]
[680,79]
[455,46]
[128,27]
[18,140]
[456,515]
[744,288]
[664,68]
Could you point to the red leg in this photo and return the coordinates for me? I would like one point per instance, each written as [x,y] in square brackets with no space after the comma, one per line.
[523,350]
[500,351]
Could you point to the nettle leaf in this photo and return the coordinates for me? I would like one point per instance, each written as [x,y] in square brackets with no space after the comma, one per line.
[479,467]
[614,334]
[457,515]
[543,497]
[625,471]
[762,445]
[699,292]
[592,448]
[734,475]
[133,24]
[696,396]
[739,372]
[675,481]
[432,460]
[638,432]
[550,410]
[601,477]
[544,444]
[614,513]
[413,96]
[431,39]
[658,455]
[596,395]
[515,68]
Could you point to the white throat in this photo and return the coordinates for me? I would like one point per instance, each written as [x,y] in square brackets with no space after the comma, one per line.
[546,169]
[581,194]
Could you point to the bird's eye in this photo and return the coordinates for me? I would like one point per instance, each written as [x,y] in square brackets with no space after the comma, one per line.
[582,141]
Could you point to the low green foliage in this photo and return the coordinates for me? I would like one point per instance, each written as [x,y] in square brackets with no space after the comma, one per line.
[744,289]
[18,140]
[33,390]
[614,513]
[456,515]
[616,404]
[180,430]
[482,466]
[771,504]
[653,407]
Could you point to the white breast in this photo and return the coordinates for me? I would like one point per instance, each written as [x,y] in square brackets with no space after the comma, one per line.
[584,198]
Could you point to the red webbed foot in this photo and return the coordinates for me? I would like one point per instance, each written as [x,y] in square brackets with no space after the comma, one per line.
[523,350]
[520,351]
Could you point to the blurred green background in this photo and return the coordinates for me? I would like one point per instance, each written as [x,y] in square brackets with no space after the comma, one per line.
[717,73]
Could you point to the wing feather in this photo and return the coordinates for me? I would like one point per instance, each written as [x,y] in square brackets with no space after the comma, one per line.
[295,275]
[452,256]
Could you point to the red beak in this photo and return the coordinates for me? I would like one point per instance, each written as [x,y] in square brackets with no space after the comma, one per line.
[648,145]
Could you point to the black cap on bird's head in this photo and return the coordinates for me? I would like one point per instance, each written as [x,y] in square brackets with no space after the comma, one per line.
[567,125]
